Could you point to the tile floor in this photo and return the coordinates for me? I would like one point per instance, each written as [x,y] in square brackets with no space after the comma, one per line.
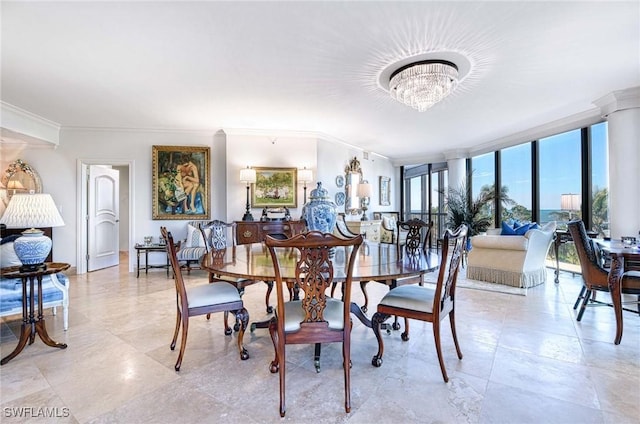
[526,360]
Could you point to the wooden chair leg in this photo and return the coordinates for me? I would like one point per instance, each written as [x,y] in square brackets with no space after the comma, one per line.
[587,295]
[282,359]
[227,329]
[175,333]
[580,296]
[405,334]
[436,337]
[452,321]
[346,364]
[183,342]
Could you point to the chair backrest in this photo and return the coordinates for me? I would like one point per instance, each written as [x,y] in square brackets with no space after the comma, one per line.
[341,227]
[417,237]
[592,273]
[177,272]
[218,234]
[444,297]
[314,271]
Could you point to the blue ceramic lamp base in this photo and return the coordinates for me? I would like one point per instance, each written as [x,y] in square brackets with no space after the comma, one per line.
[32,249]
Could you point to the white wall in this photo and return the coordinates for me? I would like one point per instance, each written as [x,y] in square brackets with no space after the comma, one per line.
[229,153]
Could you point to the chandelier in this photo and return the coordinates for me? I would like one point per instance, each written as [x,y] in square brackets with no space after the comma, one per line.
[423,84]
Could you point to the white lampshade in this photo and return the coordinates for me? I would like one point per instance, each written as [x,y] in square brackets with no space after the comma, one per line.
[248,175]
[305,175]
[31,211]
[364,190]
[570,202]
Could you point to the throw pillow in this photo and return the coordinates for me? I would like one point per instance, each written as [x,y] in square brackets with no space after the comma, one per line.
[522,230]
[389,223]
[507,229]
[194,237]
[534,226]
[8,256]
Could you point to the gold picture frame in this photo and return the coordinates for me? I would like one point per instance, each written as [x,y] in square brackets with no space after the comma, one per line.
[275,188]
[181,182]
[385,191]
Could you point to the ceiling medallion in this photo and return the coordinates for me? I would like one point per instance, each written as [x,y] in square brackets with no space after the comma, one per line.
[422,84]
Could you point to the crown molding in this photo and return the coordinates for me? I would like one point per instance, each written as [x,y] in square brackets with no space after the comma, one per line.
[20,126]
[619,100]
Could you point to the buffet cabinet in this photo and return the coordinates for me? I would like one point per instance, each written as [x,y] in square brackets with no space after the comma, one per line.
[369,229]
[255,231]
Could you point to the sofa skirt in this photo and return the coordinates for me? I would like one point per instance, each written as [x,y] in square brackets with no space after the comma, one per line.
[509,278]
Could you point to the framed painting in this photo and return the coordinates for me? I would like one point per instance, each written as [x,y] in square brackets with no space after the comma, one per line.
[275,188]
[385,191]
[181,183]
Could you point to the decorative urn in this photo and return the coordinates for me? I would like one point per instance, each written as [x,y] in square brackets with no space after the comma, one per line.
[320,212]
[32,249]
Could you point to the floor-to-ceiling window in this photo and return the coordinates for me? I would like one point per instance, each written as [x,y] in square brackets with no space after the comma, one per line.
[556,178]
[560,178]
[483,178]
[599,160]
[516,182]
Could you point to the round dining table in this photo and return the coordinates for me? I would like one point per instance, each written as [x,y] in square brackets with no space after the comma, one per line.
[380,262]
[619,252]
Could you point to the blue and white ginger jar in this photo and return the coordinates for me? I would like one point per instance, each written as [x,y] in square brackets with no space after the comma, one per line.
[320,212]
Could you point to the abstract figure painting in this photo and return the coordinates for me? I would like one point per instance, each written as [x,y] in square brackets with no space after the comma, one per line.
[180,182]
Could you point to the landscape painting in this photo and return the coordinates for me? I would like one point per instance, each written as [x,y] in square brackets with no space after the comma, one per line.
[275,188]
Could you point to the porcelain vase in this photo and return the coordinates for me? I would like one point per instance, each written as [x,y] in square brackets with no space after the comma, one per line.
[320,212]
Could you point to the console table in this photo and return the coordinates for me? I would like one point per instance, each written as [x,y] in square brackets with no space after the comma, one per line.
[146,248]
[32,325]
[562,237]
[248,232]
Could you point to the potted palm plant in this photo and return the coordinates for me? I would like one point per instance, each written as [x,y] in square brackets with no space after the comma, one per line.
[474,212]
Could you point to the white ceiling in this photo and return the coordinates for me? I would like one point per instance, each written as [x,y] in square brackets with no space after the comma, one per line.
[314,66]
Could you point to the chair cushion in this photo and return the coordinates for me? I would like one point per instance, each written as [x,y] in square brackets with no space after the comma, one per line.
[190,253]
[212,294]
[11,291]
[413,297]
[294,314]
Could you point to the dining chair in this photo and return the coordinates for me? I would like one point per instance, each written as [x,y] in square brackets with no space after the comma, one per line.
[200,300]
[220,236]
[595,277]
[415,241]
[316,318]
[425,303]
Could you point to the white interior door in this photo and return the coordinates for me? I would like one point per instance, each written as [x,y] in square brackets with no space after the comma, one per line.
[103,218]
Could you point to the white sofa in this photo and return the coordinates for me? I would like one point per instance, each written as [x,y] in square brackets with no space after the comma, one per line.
[517,261]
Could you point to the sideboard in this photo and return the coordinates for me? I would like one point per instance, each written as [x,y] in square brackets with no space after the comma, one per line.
[255,231]
[369,229]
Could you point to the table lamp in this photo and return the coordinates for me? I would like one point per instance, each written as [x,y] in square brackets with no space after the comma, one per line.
[305,176]
[364,193]
[248,176]
[32,211]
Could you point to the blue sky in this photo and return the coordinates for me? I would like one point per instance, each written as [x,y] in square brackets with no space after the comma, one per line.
[560,167]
